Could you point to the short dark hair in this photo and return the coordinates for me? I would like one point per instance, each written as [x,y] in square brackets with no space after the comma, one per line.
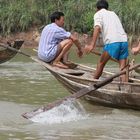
[56,15]
[102,4]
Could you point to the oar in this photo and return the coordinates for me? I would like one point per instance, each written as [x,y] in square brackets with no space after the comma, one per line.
[80,93]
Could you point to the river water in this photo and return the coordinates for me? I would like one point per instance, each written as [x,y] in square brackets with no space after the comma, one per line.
[25,85]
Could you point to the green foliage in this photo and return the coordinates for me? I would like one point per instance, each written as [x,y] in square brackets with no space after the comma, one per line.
[20,15]
[129,13]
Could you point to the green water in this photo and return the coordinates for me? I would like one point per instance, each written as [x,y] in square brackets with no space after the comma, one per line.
[25,85]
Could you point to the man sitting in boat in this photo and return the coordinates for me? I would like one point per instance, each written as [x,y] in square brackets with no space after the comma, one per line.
[136,50]
[55,42]
[114,38]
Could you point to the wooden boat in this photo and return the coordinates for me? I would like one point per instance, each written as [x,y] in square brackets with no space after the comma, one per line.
[7,54]
[115,94]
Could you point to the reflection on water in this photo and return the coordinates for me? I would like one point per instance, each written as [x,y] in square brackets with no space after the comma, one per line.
[25,85]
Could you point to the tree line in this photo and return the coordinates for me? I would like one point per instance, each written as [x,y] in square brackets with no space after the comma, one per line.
[21,15]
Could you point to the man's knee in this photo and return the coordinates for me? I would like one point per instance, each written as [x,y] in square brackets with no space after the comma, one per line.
[70,42]
[66,42]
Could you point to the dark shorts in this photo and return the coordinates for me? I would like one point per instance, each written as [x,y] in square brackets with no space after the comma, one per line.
[117,50]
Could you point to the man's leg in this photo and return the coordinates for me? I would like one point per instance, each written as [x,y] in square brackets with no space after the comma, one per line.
[100,66]
[122,64]
[62,52]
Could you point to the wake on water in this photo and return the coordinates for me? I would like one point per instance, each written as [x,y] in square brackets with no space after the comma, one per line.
[70,110]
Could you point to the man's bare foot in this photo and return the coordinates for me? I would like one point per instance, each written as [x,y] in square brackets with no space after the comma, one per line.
[70,64]
[60,65]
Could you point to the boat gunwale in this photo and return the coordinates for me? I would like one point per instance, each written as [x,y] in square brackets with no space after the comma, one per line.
[95,80]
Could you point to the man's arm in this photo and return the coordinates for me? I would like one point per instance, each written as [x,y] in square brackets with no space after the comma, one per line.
[92,45]
[75,40]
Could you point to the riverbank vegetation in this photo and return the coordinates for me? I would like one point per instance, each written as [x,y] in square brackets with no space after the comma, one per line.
[21,15]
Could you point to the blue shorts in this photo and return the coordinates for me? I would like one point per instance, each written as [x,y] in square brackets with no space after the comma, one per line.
[117,50]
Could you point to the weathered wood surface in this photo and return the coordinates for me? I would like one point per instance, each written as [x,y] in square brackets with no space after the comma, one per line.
[7,54]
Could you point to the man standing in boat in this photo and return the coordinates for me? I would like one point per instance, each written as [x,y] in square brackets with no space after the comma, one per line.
[114,37]
[55,42]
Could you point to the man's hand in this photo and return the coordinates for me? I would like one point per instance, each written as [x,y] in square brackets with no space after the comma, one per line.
[135,50]
[88,49]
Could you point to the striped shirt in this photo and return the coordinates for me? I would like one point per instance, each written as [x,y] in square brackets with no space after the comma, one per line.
[51,36]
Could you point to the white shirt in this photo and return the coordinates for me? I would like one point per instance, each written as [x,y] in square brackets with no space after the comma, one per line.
[111,27]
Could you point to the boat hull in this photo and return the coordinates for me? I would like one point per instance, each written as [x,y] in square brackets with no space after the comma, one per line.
[7,54]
